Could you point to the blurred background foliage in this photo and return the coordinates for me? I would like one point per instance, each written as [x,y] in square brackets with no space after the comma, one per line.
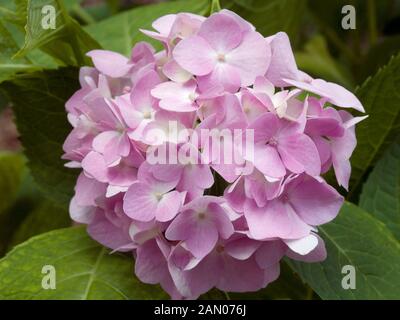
[34,194]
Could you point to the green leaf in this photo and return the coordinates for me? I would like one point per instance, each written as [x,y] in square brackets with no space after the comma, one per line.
[29,199]
[71,4]
[65,39]
[11,174]
[8,66]
[14,11]
[355,238]
[380,96]
[271,16]
[38,101]
[84,270]
[15,35]
[45,217]
[316,60]
[379,55]
[381,192]
[121,31]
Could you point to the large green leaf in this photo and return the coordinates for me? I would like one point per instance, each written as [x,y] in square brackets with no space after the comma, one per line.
[270,16]
[13,11]
[355,238]
[380,96]
[30,214]
[26,200]
[381,192]
[45,217]
[84,270]
[11,174]
[379,55]
[121,32]
[67,42]
[8,66]
[14,20]
[39,100]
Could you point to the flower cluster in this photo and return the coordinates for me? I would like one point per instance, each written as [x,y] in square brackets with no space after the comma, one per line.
[203,221]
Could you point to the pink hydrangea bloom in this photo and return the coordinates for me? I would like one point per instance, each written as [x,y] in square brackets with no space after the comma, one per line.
[205,160]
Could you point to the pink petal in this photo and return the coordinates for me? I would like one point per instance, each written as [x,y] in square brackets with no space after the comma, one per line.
[102,112]
[88,190]
[242,248]
[335,94]
[155,35]
[167,172]
[316,255]
[283,64]
[315,202]
[241,276]
[221,220]
[169,205]
[142,53]
[175,96]
[80,214]
[304,245]
[342,172]
[252,106]
[95,166]
[180,227]
[193,283]
[150,263]
[275,220]
[265,127]
[164,23]
[101,141]
[203,239]
[324,127]
[244,25]
[140,96]
[235,195]
[104,231]
[200,235]
[195,178]
[174,72]
[223,74]
[222,32]
[251,58]
[267,160]
[118,148]
[195,55]
[270,253]
[140,203]
[299,154]
[324,151]
[110,63]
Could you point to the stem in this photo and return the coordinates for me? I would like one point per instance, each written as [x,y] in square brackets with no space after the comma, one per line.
[215,6]
[82,14]
[73,37]
[226,295]
[371,11]
[77,53]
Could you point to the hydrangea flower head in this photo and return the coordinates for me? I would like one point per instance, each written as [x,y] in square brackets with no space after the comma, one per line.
[206,159]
